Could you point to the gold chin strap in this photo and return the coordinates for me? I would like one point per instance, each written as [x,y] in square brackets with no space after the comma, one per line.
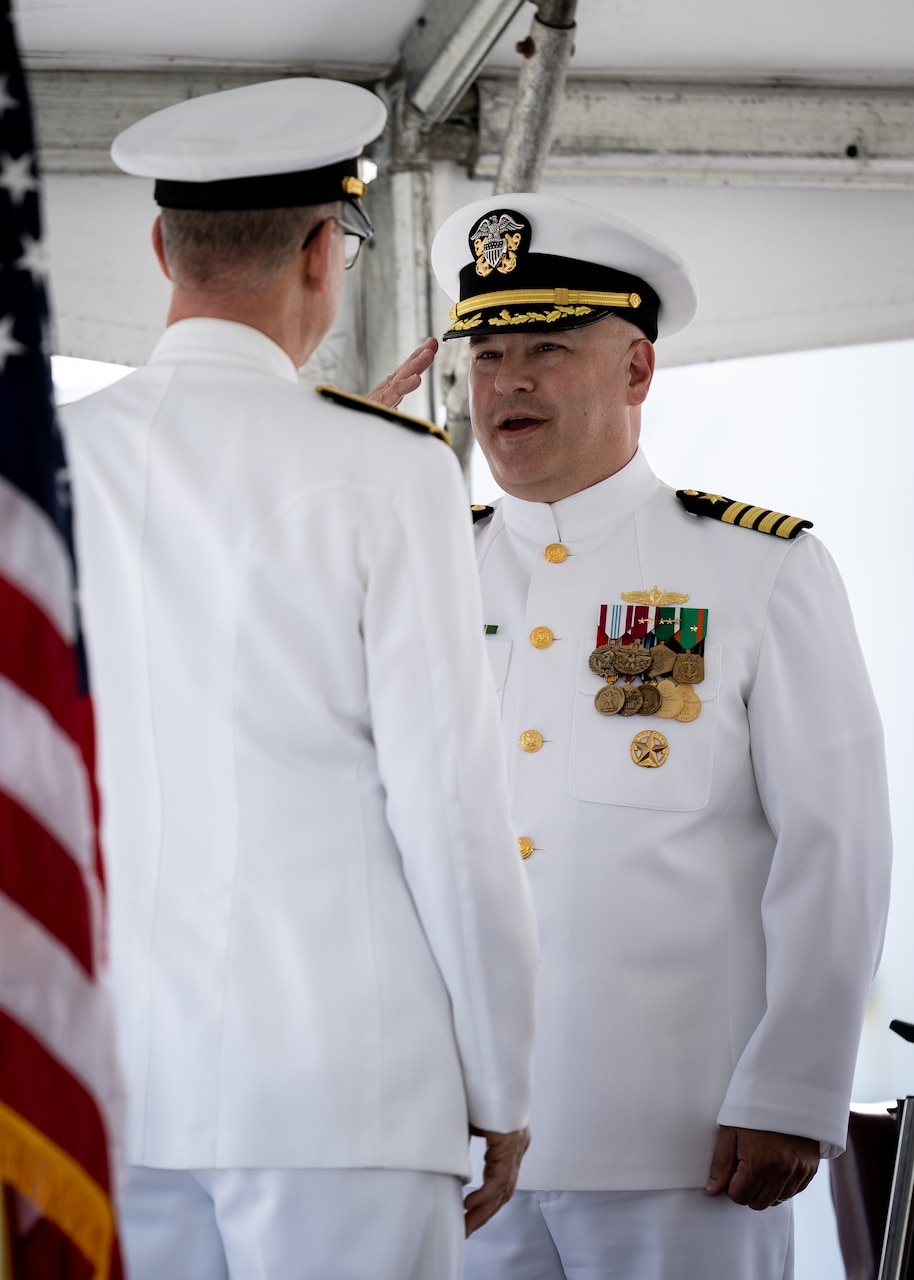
[354,186]
[558,297]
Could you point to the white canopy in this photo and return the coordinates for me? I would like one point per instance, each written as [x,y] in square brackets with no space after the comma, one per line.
[773,145]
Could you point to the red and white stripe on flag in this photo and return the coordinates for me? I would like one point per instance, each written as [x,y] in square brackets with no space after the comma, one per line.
[58,1080]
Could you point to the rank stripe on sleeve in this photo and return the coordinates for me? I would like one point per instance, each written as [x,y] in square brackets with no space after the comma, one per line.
[727,510]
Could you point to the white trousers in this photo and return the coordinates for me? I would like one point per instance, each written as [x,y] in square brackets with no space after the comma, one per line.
[631,1235]
[291,1224]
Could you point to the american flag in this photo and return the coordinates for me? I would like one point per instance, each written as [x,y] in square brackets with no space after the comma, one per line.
[59,1088]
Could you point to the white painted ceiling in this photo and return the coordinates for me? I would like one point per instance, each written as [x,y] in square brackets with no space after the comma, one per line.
[694,37]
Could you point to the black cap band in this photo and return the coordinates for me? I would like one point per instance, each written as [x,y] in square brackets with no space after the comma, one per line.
[271,191]
[482,307]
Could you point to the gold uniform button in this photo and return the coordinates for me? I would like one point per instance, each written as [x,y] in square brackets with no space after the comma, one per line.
[555,553]
[525,846]
[530,740]
[541,637]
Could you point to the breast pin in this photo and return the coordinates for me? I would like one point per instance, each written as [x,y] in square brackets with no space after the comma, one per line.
[650,749]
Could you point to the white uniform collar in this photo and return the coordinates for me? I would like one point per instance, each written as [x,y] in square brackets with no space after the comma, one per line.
[586,512]
[201,340]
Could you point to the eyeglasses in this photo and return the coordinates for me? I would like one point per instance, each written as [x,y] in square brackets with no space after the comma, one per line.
[353,237]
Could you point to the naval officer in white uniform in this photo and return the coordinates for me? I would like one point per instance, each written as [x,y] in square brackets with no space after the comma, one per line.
[696,772]
[323,947]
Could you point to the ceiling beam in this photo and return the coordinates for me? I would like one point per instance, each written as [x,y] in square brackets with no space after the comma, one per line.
[634,130]
[78,113]
[658,131]
[445,49]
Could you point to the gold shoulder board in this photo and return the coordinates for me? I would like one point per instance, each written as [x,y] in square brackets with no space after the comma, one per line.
[392,415]
[741,513]
[480,512]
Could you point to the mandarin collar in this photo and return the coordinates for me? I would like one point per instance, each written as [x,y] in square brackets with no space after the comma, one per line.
[590,511]
[202,340]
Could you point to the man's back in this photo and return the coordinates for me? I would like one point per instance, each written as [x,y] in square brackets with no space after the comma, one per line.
[276,658]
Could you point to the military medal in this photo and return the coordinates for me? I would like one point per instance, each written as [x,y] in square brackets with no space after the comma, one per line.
[691,705]
[632,700]
[601,661]
[631,660]
[651,655]
[688,668]
[610,700]
[650,700]
[670,700]
[662,660]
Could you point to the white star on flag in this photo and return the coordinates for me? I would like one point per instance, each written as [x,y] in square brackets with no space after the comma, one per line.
[9,346]
[17,177]
[34,258]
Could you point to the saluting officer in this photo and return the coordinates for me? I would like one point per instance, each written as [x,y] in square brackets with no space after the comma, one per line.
[322,945]
[696,773]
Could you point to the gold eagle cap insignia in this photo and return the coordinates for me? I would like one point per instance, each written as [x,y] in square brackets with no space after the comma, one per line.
[495,243]
[654,596]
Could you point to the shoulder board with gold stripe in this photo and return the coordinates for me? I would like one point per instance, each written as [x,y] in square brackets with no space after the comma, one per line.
[741,513]
[480,512]
[380,410]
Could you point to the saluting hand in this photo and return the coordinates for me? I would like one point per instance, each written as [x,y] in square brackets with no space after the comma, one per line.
[504,1152]
[406,378]
[760,1168]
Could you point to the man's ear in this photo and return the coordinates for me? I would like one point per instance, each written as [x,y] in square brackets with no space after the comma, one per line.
[317,261]
[159,247]
[640,370]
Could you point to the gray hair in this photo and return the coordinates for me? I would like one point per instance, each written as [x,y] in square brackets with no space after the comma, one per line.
[227,249]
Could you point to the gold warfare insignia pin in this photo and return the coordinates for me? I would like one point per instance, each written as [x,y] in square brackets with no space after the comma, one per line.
[498,240]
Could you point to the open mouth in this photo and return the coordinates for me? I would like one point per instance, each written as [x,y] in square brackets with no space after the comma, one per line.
[518,422]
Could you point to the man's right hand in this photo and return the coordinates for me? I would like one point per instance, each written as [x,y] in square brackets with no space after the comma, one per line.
[406,377]
[504,1152]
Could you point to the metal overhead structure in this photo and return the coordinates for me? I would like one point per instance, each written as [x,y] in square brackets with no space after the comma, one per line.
[445,50]
[440,60]
[783,133]
[540,85]
[526,142]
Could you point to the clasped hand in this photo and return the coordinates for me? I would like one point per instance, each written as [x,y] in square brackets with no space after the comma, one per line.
[759,1168]
[504,1152]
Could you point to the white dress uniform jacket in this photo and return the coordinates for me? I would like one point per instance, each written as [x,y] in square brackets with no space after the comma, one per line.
[708,929]
[322,945]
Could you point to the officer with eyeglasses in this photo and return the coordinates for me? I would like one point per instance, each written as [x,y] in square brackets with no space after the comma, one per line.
[322,942]
[353,237]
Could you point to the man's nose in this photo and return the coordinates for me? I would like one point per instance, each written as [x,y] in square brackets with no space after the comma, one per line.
[513,375]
